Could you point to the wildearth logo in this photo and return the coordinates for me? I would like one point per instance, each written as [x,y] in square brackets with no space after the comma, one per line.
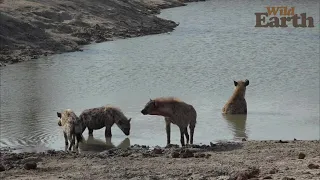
[287,15]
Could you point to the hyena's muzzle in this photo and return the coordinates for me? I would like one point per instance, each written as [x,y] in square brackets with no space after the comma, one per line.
[144,111]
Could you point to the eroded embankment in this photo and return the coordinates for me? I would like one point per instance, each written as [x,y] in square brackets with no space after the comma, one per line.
[32,28]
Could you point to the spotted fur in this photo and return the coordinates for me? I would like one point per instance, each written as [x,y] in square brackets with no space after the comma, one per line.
[72,128]
[176,112]
[105,116]
[237,103]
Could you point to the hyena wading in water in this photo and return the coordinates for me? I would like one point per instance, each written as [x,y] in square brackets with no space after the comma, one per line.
[105,116]
[237,103]
[176,112]
[72,127]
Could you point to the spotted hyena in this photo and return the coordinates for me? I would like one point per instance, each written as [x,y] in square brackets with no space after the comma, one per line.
[105,116]
[176,112]
[72,127]
[237,103]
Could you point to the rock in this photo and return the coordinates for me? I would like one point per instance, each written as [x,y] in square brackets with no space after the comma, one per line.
[51,151]
[31,159]
[241,176]
[250,173]
[157,151]
[301,156]
[172,146]
[186,153]
[253,171]
[244,139]
[30,165]
[267,177]
[313,166]
[280,141]
[273,171]
[2,168]
[287,178]
[175,154]
[199,155]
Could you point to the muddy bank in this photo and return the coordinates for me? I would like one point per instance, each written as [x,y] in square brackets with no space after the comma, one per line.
[33,28]
[225,160]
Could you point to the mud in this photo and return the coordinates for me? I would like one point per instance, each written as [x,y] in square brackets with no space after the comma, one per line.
[223,160]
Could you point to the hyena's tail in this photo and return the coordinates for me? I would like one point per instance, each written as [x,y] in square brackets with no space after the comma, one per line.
[79,137]
[78,132]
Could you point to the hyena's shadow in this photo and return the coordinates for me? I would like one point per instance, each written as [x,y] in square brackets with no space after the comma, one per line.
[98,145]
[237,122]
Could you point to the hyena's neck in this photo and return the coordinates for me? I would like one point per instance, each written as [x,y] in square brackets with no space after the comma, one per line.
[162,113]
[239,93]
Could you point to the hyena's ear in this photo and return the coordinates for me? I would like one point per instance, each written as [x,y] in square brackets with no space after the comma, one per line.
[155,104]
[235,83]
[59,115]
[246,82]
[129,119]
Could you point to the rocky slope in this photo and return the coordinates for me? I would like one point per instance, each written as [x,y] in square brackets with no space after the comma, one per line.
[31,28]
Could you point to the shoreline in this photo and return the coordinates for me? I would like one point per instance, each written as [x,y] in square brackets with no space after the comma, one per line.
[297,159]
[33,29]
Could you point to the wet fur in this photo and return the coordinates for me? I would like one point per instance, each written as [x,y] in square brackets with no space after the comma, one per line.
[237,103]
[72,128]
[175,112]
[105,116]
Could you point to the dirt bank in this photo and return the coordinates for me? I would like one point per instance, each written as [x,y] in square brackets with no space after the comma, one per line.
[32,28]
[244,160]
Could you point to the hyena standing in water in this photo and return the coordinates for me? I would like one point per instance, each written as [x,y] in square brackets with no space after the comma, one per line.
[105,116]
[237,103]
[176,112]
[72,127]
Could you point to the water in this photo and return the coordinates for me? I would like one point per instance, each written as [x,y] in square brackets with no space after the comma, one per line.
[215,43]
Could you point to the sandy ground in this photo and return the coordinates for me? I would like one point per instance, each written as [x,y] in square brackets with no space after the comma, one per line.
[34,28]
[225,160]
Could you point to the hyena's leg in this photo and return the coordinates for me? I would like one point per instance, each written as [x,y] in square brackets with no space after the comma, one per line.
[186,134]
[168,129]
[65,138]
[191,127]
[71,143]
[107,132]
[90,132]
[83,128]
[182,136]
[77,142]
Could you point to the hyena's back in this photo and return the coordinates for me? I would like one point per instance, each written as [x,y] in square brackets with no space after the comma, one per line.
[184,114]
[97,118]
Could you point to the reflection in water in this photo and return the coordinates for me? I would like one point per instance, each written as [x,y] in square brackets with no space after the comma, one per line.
[237,123]
[97,145]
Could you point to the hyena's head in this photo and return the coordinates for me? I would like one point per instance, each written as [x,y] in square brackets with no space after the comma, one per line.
[125,125]
[159,107]
[241,86]
[65,115]
[59,120]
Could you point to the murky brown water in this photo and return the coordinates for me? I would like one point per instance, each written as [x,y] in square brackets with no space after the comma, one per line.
[215,43]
